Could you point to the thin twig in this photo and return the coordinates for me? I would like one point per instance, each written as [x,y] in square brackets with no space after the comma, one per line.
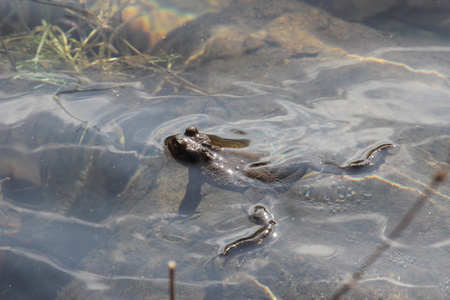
[185,86]
[172,266]
[61,5]
[193,87]
[13,65]
[57,94]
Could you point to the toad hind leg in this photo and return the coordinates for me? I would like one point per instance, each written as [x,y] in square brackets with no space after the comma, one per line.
[259,214]
[254,238]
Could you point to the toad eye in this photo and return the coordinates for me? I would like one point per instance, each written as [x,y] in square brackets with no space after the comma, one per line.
[174,143]
[176,147]
[191,131]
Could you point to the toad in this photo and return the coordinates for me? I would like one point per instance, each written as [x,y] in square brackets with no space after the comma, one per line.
[214,161]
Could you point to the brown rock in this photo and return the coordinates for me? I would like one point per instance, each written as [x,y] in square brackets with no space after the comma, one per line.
[287,32]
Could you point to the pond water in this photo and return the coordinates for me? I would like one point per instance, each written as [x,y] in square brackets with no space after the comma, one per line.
[90,195]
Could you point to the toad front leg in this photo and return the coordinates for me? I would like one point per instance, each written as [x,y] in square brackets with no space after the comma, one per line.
[193,196]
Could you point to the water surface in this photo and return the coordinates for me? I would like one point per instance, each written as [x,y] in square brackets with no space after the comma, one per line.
[89,208]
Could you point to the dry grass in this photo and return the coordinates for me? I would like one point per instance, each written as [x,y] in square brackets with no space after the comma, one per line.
[93,43]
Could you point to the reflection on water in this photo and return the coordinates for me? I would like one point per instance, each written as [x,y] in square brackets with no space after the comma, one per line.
[88,210]
[97,210]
